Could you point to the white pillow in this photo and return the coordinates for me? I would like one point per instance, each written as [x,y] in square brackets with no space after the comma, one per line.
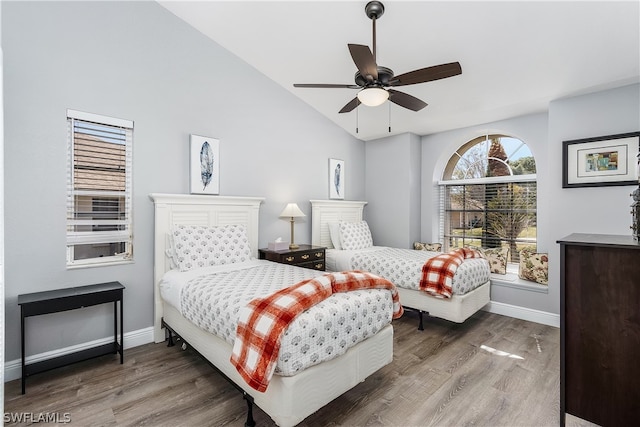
[355,235]
[198,246]
[334,232]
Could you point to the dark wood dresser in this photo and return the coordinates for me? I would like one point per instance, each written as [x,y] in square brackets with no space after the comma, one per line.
[306,256]
[600,329]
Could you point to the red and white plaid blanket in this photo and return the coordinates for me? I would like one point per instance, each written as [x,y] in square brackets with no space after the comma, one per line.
[438,272]
[263,321]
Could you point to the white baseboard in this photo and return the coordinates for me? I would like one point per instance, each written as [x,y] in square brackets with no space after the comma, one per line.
[523,313]
[13,368]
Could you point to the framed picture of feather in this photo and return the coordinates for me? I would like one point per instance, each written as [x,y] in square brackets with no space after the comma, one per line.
[336,179]
[204,165]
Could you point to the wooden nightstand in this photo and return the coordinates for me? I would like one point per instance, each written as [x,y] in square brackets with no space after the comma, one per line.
[306,256]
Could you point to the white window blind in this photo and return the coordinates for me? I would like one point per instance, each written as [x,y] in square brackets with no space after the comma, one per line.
[99,210]
[493,214]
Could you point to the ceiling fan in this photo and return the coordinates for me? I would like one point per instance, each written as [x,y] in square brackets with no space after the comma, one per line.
[373,79]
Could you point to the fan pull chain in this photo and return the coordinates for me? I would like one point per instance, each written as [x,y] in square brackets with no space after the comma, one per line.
[389,116]
[357,119]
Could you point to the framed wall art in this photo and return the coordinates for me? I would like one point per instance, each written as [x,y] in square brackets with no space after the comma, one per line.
[601,161]
[204,165]
[336,179]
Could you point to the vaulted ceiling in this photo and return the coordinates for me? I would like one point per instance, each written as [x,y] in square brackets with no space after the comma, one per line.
[516,56]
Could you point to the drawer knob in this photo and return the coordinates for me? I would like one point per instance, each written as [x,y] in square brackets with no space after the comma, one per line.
[318,254]
[290,258]
[318,266]
[305,256]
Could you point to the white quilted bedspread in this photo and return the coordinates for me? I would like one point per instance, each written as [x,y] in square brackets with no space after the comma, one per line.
[327,330]
[403,267]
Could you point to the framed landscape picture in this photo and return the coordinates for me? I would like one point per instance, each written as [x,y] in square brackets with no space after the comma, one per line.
[204,165]
[601,161]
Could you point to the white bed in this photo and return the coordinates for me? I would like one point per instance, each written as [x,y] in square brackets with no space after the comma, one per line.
[288,399]
[457,309]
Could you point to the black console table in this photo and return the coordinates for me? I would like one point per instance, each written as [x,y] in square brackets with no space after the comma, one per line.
[59,300]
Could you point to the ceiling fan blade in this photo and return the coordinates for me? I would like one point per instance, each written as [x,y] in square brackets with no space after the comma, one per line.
[405,100]
[363,58]
[323,85]
[428,74]
[351,105]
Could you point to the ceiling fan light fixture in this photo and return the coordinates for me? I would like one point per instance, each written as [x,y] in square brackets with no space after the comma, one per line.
[373,96]
[376,82]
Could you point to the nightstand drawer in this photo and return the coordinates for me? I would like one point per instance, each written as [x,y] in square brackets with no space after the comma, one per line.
[302,257]
[314,265]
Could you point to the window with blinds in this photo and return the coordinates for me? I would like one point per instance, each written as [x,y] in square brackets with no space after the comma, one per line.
[99,227]
[488,197]
[490,215]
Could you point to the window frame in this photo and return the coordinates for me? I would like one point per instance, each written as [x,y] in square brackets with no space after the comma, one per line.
[123,222]
[444,215]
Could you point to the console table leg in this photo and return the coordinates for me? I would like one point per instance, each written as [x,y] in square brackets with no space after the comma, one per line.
[115,327]
[22,347]
[122,331]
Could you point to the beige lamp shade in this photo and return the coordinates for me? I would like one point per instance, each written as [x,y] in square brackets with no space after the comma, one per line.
[292,211]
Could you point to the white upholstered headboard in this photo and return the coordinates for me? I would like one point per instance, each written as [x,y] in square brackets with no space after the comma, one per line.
[325,211]
[178,209]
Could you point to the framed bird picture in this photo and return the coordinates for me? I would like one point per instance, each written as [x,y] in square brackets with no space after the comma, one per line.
[336,179]
[204,165]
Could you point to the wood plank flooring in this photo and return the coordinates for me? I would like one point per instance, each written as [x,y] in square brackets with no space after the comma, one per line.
[491,370]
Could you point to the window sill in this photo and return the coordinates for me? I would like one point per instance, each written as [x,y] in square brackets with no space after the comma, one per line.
[511,280]
[99,264]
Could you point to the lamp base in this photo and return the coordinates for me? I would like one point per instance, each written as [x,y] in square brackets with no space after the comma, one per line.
[292,245]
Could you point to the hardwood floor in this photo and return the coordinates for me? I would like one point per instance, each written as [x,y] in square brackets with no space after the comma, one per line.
[490,371]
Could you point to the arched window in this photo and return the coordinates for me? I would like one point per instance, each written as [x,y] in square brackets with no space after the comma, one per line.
[489,196]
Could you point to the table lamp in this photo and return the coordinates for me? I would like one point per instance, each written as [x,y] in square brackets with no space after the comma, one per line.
[292,211]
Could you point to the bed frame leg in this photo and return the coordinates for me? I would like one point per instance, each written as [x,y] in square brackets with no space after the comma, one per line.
[421,325]
[169,331]
[250,421]
[170,342]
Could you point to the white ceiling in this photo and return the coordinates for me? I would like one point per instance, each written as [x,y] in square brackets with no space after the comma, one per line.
[516,56]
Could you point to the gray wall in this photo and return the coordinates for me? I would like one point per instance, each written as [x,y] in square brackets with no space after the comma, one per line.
[603,210]
[393,190]
[137,61]
[560,211]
